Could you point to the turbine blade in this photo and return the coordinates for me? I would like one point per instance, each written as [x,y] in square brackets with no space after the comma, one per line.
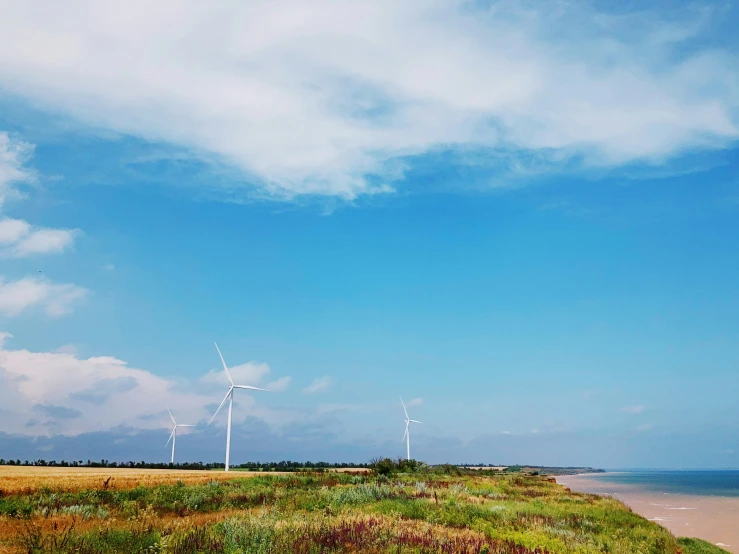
[170,414]
[250,388]
[230,390]
[404,434]
[224,364]
[170,437]
[403,403]
[415,421]
[185,425]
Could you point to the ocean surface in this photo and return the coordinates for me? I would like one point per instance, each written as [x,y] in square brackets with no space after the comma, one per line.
[694,482]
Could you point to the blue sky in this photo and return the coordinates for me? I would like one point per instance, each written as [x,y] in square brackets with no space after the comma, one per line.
[522,219]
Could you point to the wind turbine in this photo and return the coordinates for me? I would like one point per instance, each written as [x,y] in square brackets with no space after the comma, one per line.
[230,397]
[407,435]
[173,435]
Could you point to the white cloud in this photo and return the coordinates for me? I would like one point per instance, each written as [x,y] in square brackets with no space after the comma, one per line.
[633,409]
[65,393]
[3,337]
[415,402]
[330,97]
[13,230]
[45,241]
[52,378]
[279,385]
[31,292]
[645,427]
[19,239]
[70,349]
[319,384]
[13,155]
[250,373]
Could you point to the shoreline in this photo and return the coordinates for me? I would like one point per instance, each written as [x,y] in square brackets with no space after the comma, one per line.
[711,518]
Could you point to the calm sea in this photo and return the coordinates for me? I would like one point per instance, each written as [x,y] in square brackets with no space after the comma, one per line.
[700,482]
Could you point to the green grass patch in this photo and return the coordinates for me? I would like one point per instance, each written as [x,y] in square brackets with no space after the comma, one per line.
[697,546]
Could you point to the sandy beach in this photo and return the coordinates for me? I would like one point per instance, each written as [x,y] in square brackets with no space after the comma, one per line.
[711,518]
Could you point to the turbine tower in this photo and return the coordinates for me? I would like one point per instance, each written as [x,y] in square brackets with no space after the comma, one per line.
[230,397]
[173,434]
[407,435]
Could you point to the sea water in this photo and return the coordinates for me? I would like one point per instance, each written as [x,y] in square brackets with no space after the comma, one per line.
[696,482]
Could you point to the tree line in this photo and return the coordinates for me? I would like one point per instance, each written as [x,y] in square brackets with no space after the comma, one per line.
[284,465]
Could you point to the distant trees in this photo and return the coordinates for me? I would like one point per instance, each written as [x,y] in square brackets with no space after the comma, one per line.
[296,466]
[388,466]
[283,466]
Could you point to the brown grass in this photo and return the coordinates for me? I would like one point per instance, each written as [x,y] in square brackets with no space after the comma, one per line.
[27,479]
[23,480]
[12,528]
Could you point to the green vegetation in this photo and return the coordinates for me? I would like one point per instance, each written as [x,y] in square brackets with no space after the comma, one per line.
[697,546]
[406,507]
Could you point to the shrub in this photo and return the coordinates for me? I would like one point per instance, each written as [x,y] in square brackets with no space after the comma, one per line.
[387,466]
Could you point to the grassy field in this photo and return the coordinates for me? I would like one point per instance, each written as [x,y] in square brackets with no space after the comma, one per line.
[179,512]
[27,479]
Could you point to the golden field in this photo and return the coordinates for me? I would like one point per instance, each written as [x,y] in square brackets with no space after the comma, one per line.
[27,479]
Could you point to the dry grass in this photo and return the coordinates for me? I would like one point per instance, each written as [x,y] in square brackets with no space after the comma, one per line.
[11,528]
[27,479]
[21,479]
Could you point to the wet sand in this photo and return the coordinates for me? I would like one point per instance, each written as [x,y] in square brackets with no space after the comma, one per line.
[712,518]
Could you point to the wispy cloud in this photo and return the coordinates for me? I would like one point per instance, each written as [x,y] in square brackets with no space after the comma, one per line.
[280,384]
[320,384]
[13,156]
[377,83]
[415,402]
[645,427]
[249,373]
[20,239]
[632,409]
[37,293]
